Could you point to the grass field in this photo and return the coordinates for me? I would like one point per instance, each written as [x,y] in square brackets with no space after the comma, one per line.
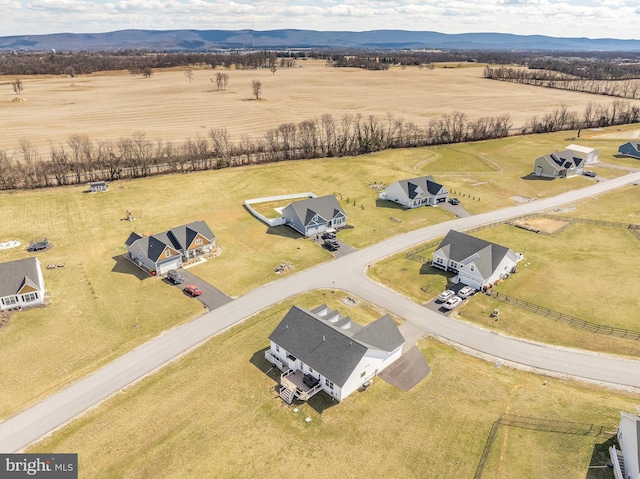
[112,105]
[579,272]
[215,414]
[100,306]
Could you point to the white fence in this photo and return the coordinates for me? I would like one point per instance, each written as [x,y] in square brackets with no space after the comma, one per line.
[274,221]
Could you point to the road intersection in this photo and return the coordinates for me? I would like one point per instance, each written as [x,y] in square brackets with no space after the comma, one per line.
[347,273]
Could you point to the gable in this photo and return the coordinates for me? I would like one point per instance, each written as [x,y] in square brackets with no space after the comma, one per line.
[198,241]
[19,274]
[27,288]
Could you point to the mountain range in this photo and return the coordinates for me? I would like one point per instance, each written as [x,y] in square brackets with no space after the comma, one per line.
[208,40]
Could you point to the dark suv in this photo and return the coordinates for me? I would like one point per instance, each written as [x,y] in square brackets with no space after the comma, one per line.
[174,277]
[332,244]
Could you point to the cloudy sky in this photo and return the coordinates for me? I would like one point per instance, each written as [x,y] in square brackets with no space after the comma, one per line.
[561,18]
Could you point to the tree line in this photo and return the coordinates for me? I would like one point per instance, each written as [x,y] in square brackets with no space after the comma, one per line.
[552,79]
[80,159]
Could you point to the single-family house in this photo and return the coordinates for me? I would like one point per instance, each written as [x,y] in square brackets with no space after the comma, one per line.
[560,164]
[415,192]
[314,215]
[588,155]
[97,186]
[478,263]
[630,148]
[321,350]
[161,252]
[21,284]
[626,460]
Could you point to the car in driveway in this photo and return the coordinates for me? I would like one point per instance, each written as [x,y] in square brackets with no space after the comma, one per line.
[454,201]
[466,291]
[332,244]
[175,277]
[446,295]
[328,236]
[590,174]
[452,302]
[193,290]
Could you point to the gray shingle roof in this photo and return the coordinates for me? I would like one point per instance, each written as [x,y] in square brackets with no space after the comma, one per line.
[15,274]
[459,246]
[426,183]
[328,349]
[178,238]
[325,206]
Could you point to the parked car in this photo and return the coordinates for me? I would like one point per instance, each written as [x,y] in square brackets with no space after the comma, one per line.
[465,292]
[328,235]
[590,174]
[332,244]
[446,295]
[454,201]
[174,277]
[193,290]
[452,302]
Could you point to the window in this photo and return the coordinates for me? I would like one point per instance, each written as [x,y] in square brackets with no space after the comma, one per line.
[364,373]
[167,254]
[277,348]
[473,268]
[9,300]
[328,383]
[199,241]
[29,297]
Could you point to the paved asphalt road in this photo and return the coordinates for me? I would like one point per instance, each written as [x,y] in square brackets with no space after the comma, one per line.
[347,274]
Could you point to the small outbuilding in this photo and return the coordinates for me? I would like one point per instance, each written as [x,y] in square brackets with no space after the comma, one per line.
[589,155]
[630,148]
[96,186]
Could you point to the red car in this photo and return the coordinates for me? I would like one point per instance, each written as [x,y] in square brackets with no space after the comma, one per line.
[193,290]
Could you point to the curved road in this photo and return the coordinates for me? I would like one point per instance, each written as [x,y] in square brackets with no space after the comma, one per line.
[345,273]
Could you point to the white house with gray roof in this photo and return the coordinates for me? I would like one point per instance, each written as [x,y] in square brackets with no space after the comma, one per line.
[321,350]
[416,192]
[21,284]
[626,460]
[315,215]
[561,164]
[630,148]
[161,252]
[478,263]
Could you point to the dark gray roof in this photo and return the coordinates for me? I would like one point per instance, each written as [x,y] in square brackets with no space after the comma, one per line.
[459,246]
[178,238]
[325,206]
[563,160]
[332,351]
[426,183]
[15,274]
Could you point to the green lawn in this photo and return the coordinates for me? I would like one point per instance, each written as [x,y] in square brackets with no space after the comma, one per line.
[215,413]
[101,306]
[578,272]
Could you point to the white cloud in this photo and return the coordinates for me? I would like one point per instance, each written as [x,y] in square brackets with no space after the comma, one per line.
[565,18]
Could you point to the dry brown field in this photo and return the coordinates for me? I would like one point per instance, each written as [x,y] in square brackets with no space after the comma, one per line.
[109,106]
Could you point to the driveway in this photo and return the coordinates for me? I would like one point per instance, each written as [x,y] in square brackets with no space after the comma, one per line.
[211,297]
[407,371]
[457,210]
[347,274]
[344,249]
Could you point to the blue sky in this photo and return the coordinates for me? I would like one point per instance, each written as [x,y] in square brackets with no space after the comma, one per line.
[566,18]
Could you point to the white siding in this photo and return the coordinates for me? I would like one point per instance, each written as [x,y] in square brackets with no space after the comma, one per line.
[628,439]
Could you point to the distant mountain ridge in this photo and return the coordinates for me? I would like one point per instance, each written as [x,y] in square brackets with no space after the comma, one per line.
[206,40]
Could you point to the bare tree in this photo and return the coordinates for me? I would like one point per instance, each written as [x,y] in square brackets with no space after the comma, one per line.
[189,74]
[17,86]
[221,81]
[256,87]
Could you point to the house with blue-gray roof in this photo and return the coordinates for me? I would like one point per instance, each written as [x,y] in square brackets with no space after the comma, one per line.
[630,148]
[314,215]
[161,252]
